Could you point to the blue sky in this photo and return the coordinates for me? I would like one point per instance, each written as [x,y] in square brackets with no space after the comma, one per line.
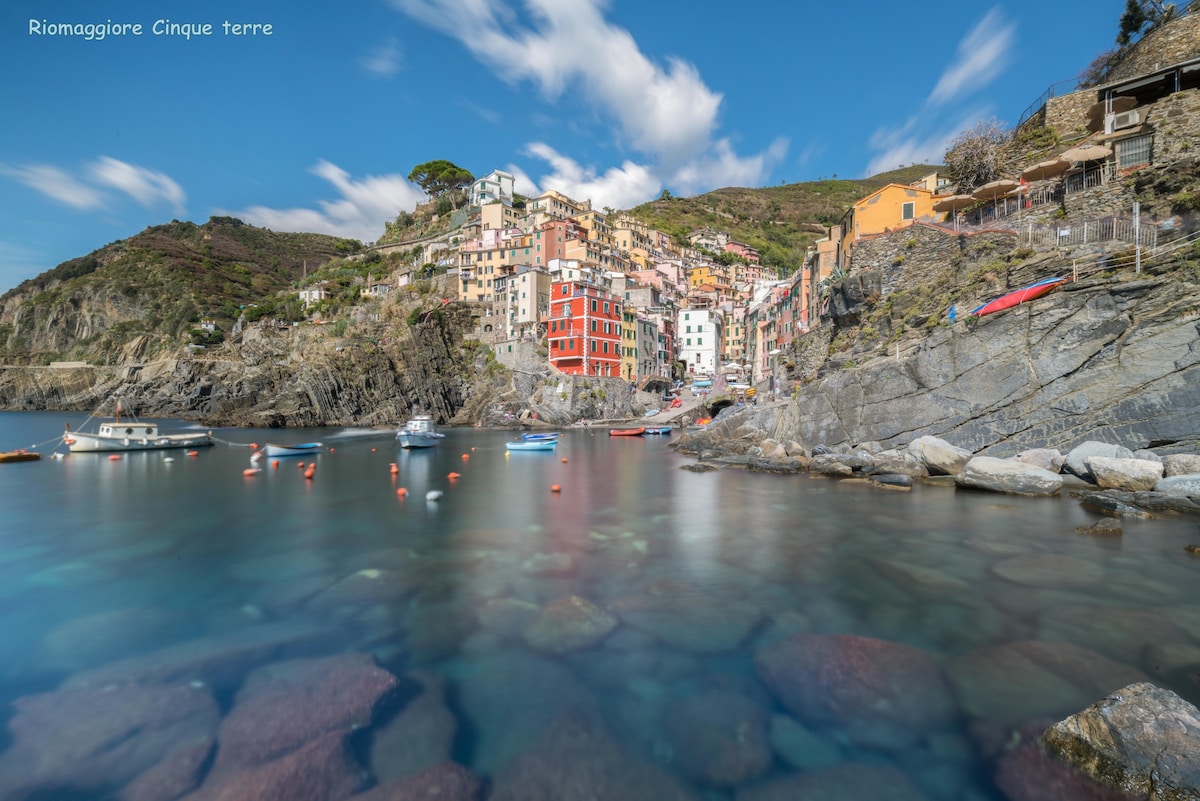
[313,127]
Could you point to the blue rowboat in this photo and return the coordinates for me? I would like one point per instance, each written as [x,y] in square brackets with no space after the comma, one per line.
[532,445]
[540,437]
[659,430]
[304,449]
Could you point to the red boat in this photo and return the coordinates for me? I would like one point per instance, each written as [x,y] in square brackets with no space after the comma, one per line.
[627,432]
[1018,296]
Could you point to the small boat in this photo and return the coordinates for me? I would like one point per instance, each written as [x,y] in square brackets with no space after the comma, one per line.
[540,436]
[1019,296]
[419,432]
[19,456]
[303,449]
[532,445]
[130,435]
[627,432]
[659,430]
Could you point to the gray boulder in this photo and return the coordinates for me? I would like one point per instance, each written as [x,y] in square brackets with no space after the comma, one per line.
[1076,463]
[1046,458]
[1142,740]
[1180,464]
[1185,486]
[1134,475]
[939,456]
[1005,475]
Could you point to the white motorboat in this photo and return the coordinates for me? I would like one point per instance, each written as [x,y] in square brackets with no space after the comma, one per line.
[127,435]
[419,432]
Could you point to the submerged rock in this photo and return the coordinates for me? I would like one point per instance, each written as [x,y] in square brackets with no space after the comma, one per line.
[569,624]
[446,781]
[719,737]
[420,736]
[883,694]
[848,781]
[690,619]
[1141,740]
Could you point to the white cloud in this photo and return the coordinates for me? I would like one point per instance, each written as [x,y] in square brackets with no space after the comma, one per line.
[57,184]
[145,186]
[720,166]
[360,213]
[619,187]
[915,143]
[384,60]
[981,57]
[662,110]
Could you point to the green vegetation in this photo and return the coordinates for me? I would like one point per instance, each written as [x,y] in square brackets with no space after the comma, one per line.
[778,221]
[440,178]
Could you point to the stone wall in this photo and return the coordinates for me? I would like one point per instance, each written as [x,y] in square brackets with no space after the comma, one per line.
[1175,42]
[1067,114]
[919,254]
[1176,123]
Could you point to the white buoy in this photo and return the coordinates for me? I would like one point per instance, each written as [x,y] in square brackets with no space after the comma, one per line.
[168,458]
[433,495]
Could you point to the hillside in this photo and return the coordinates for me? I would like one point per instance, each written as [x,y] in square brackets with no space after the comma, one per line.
[780,221]
[154,287]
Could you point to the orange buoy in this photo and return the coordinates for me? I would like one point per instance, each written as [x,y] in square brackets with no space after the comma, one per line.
[253,445]
[564,460]
[555,488]
[372,450]
[114,457]
[311,471]
[472,450]
[395,469]
[251,471]
[275,463]
[401,492]
[193,453]
[300,465]
[466,456]
[452,476]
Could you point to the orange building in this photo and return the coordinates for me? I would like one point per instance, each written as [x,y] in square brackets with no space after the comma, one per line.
[583,329]
[886,209]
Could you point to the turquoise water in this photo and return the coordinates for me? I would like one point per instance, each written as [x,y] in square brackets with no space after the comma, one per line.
[102,561]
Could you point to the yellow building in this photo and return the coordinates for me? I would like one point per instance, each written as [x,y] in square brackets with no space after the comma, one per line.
[886,209]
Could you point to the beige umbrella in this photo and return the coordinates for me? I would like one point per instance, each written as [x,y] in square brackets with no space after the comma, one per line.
[994,190]
[952,203]
[1044,170]
[1087,153]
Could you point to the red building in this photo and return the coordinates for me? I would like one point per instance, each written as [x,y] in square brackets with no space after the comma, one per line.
[583,329]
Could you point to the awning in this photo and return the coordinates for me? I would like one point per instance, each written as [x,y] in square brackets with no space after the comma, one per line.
[1087,153]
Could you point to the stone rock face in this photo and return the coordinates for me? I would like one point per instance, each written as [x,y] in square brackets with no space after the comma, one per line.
[881,693]
[419,737]
[940,457]
[1007,684]
[848,781]
[1078,457]
[284,705]
[1046,458]
[1182,486]
[1133,475]
[320,770]
[445,781]
[719,737]
[1142,740]
[569,624]
[689,618]
[1179,464]
[579,759]
[1005,475]
[87,740]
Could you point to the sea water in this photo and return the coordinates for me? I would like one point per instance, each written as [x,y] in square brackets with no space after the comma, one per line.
[105,560]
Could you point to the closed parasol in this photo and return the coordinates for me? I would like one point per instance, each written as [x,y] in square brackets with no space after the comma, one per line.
[1045,170]
[1087,153]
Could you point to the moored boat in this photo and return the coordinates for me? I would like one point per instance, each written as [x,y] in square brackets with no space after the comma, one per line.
[419,432]
[303,449]
[19,456]
[532,445]
[540,436]
[1018,296]
[131,435]
[627,432]
[658,430]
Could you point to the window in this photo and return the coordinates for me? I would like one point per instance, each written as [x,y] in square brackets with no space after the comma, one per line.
[593,325]
[606,347]
[593,346]
[689,342]
[908,211]
[608,328]
[606,307]
[564,289]
[1133,152]
[594,304]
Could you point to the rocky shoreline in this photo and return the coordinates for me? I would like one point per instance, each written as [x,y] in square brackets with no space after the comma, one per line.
[1108,479]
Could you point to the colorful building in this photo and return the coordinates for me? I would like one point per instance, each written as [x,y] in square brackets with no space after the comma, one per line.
[886,209]
[583,329]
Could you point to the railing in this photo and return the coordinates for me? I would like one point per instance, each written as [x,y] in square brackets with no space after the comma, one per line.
[1102,230]
[1053,90]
